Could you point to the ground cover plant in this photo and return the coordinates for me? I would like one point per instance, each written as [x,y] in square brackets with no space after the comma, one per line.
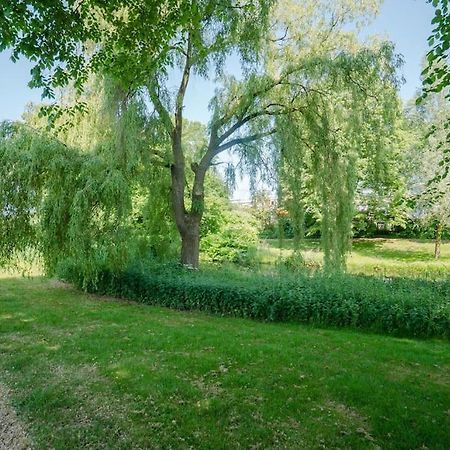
[92,372]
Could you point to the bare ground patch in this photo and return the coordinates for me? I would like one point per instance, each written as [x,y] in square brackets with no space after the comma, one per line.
[13,435]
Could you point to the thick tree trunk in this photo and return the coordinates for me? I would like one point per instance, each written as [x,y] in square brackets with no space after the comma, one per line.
[188,222]
[438,241]
[190,244]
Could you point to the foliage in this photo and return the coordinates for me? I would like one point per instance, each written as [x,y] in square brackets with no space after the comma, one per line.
[98,203]
[402,307]
[234,240]
[381,213]
[263,209]
[437,74]
[436,77]
[69,41]
[383,196]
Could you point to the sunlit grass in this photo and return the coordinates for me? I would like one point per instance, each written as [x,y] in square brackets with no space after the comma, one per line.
[385,257]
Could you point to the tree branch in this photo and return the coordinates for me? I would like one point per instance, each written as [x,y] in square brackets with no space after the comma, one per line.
[266,111]
[183,85]
[244,140]
[160,109]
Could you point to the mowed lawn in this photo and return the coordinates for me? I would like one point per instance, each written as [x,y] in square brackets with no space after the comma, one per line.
[379,257]
[91,372]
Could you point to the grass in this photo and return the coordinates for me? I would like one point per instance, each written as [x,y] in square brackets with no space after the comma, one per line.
[384,257]
[91,372]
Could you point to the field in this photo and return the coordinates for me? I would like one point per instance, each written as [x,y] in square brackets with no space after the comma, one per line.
[379,257]
[94,372]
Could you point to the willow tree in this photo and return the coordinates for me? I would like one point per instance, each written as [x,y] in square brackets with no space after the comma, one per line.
[310,63]
[91,194]
[216,30]
[344,123]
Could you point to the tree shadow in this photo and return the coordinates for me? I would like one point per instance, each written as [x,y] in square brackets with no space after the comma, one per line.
[288,244]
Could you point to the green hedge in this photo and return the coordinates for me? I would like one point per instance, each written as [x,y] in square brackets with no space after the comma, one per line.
[399,307]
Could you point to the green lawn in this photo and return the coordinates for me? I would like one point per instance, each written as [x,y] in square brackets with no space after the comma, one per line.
[384,257]
[90,372]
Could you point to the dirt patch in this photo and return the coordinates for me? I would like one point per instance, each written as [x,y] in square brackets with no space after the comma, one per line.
[417,374]
[12,432]
[54,282]
[353,421]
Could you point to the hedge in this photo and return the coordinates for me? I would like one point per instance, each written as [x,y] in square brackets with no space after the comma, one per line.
[399,307]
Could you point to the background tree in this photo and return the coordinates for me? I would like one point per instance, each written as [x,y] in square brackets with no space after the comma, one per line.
[432,196]
[382,196]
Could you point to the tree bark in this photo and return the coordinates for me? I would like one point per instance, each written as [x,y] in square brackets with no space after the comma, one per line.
[190,243]
[438,241]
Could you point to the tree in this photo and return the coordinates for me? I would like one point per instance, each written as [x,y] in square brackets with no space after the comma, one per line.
[432,197]
[247,115]
[69,41]
[382,197]
[137,43]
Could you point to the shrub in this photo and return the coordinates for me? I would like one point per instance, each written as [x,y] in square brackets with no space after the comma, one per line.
[296,262]
[400,307]
[235,240]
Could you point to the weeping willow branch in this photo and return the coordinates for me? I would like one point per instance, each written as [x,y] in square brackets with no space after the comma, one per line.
[244,140]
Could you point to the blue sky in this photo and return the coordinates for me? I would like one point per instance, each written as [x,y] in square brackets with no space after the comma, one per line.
[405,22]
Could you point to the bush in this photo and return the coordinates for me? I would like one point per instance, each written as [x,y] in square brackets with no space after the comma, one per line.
[234,241]
[296,262]
[399,307]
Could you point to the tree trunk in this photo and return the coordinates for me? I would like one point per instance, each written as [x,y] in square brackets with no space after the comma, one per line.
[190,243]
[438,240]
[188,222]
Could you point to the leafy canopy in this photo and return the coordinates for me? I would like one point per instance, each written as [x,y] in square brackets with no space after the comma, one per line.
[436,73]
